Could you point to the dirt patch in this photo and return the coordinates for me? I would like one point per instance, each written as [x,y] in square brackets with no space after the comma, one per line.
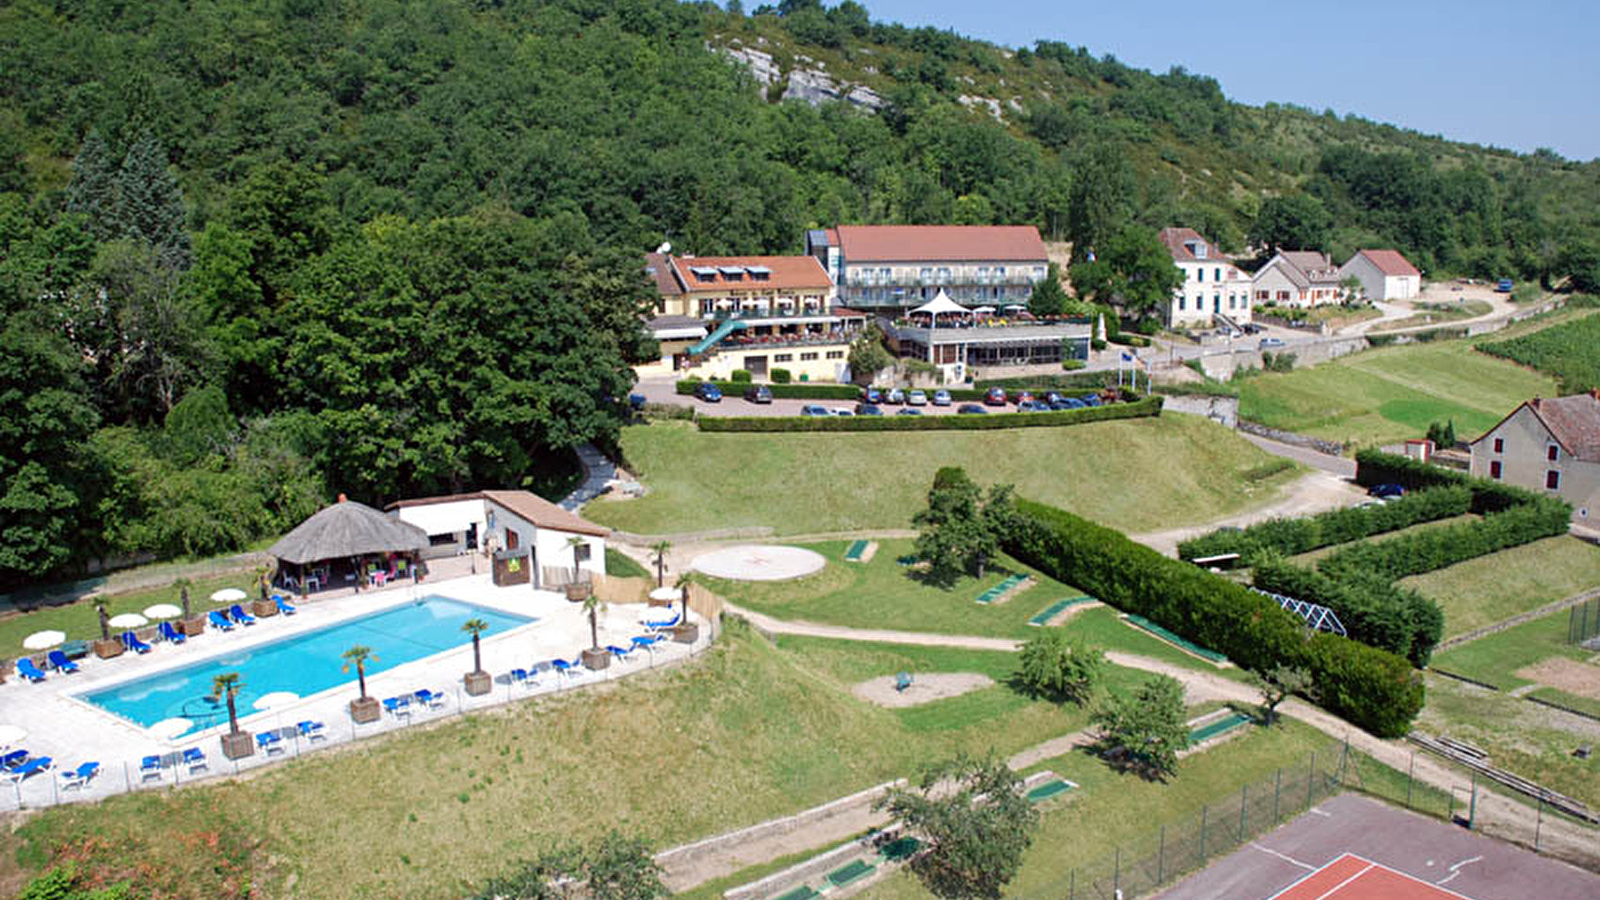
[925,688]
[1565,674]
[1019,587]
[870,552]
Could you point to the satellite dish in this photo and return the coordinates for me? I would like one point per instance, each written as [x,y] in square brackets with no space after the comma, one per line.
[666,247]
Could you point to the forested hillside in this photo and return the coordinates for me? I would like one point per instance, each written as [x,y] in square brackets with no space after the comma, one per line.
[259,252]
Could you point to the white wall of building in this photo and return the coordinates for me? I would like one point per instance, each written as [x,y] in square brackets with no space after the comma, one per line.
[1209,287]
[1376,284]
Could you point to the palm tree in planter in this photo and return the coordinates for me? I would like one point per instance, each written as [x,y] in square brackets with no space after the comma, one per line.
[658,555]
[477,681]
[596,657]
[106,647]
[191,624]
[264,606]
[686,632]
[363,709]
[235,744]
[577,591]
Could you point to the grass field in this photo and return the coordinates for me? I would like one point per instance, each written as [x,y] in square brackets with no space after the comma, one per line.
[1496,587]
[1392,393]
[621,565]
[1440,314]
[808,483]
[1496,658]
[80,622]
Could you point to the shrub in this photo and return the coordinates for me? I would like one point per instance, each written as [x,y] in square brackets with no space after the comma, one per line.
[780,376]
[1096,344]
[1376,467]
[1373,609]
[1336,526]
[1150,406]
[740,376]
[1375,689]
[1072,364]
[1438,548]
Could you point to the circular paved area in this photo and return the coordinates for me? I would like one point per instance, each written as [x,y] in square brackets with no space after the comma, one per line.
[763,562]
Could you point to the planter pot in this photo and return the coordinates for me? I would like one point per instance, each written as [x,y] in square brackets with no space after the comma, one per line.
[263,608]
[364,710]
[148,635]
[596,660]
[686,633]
[477,683]
[193,627]
[238,744]
[108,649]
[579,591]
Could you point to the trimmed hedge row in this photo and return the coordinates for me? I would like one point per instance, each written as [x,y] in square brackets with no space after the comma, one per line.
[1376,467]
[1436,548]
[1377,690]
[1374,610]
[782,391]
[1150,406]
[1336,526]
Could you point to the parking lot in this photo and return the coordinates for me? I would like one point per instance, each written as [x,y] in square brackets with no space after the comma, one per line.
[665,391]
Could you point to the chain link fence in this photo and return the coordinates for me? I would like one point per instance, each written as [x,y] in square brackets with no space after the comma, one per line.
[1583,622]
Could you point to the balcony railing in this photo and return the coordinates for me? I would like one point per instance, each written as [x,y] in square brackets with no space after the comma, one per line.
[747,341]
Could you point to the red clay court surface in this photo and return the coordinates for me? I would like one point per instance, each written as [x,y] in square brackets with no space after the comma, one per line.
[1354,848]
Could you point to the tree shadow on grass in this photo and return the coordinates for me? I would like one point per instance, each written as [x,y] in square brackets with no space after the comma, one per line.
[1123,761]
[925,576]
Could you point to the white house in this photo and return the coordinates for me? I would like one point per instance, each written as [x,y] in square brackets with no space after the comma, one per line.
[508,520]
[1548,445]
[1213,287]
[1297,278]
[1384,274]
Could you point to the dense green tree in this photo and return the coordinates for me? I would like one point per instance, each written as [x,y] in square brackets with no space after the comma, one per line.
[149,204]
[616,867]
[1294,222]
[1048,298]
[92,192]
[961,529]
[1060,666]
[1145,730]
[868,356]
[1134,271]
[976,821]
[1277,684]
[1102,196]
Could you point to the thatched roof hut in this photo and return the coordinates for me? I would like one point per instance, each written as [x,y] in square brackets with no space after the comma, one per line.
[347,529]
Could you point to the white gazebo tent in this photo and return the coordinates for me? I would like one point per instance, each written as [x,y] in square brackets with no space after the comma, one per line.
[940,305]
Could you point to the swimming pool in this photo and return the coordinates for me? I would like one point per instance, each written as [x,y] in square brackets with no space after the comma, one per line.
[303,664]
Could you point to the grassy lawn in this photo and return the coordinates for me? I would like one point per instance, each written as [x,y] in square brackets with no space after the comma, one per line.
[1391,393]
[1496,587]
[622,565]
[1109,809]
[1310,558]
[884,594]
[80,622]
[1440,314]
[1495,659]
[751,732]
[807,483]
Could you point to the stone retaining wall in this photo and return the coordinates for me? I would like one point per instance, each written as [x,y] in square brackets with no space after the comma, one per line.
[1332,448]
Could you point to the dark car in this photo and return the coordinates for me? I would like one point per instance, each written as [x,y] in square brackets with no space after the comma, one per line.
[971,409]
[868,409]
[708,392]
[1387,491]
[636,401]
[908,412]
[995,397]
[1033,406]
[1252,328]
[758,393]
[1068,403]
[815,410]
[1053,398]
[872,395]
[1090,399]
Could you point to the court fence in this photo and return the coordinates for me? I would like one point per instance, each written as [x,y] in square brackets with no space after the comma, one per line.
[1583,622]
[1159,858]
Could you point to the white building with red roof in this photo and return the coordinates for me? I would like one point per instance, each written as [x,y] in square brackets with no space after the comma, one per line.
[1548,445]
[892,268]
[1384,274]
[1213,287]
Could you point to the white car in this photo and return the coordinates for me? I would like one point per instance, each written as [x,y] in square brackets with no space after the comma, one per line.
[941,398]
[844,412]
[917,398]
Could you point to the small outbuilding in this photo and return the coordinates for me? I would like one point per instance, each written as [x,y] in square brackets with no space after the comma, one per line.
[345,545]
[1384,274]
[558,546]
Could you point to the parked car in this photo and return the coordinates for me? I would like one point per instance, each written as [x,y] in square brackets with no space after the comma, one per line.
[1267,343]
[1503,286]
[843,412]
[908,411]
[1252,328]
[758,393]
[995,397]
[867,409]
[636,401]
[1052,398]
[1033,406]
[895,396]
[971,409]
[1090,399]
[872,395]
[1024,397]
[1386,491]
[941,398]
[812,409]
[1069,403]
[917,398]
[708,392]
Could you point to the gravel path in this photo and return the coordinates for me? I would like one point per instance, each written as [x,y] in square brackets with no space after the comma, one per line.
[1313,493]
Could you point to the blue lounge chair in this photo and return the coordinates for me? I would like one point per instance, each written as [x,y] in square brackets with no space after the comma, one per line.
[398,706]
[269,742]
[646,643]
[284,607]
[171,635]
[195,759]
[219,621]
[237,613]
[312,731]
[13,759]
[150,769]
[664,624]
[132,642]
[430,699]
[60,662]
[518,676]
[79,777]
[32,766]
[621,653]
[28,670]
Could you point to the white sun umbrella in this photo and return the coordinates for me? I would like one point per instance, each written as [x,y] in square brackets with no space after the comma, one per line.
[667,593]
[10,734]
[163,611]
[127,620]
[228,595]
[984,309]
[167,729]
[276,700]
[43,640]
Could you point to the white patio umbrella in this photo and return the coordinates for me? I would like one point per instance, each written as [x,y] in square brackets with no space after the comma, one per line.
[10,734]
[127,620]
[228,595]
[43,640]
[163,611]
[667,593]
[168,729]
[276,699]
[984,309]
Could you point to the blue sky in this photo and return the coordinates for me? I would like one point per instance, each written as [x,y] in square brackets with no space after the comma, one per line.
[1521,75]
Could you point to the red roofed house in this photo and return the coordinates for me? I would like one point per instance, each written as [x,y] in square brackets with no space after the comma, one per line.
[1384,274]
[1212,286]
[892,268]
[1550,445]
[1297,278]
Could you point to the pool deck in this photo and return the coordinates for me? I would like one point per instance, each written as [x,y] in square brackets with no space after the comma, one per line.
[72,731]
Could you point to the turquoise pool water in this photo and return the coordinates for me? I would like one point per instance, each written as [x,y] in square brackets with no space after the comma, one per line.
[304,664]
